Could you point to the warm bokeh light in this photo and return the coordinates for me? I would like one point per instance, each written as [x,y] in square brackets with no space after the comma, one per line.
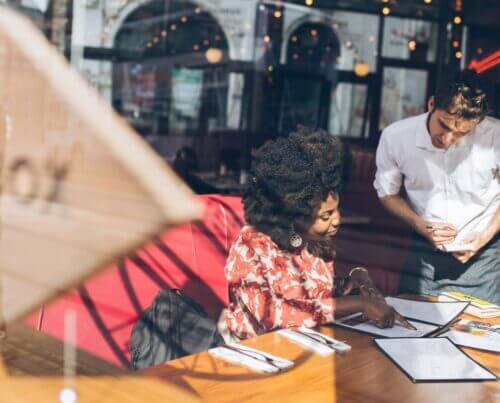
[412,45]
[361,68]
[386,10]
[277,14]
[455,44]
[213,55]
[458,55]
[457,19]
[427,1]
[309,2]
[267,38]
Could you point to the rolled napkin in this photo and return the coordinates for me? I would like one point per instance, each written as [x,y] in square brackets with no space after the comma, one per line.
[318,342]
[253,359]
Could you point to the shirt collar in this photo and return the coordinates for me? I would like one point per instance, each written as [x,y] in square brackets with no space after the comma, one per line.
[423,138]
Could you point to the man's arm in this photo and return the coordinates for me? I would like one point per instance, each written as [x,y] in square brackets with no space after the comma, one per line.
[436,232]
[479,240]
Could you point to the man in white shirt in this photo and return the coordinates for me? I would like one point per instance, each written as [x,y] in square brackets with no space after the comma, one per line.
[448,161]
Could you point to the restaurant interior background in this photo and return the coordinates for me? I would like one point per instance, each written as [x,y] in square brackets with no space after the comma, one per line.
[206,81]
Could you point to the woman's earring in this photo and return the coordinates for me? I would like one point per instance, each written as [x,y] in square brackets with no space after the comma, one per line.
[295,240]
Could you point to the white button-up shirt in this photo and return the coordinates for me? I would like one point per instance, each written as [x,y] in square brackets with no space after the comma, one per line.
[459,185]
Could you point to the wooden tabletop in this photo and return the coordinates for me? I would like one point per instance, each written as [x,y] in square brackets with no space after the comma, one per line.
[362,375]
[31,372]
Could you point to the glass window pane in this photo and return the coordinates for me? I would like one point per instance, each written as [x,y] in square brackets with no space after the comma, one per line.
[404,94]
[347,110]
[410,39]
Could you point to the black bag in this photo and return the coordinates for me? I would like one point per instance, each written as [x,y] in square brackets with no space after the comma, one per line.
[172,327]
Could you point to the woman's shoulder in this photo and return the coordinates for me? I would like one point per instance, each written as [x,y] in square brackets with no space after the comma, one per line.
[252,237]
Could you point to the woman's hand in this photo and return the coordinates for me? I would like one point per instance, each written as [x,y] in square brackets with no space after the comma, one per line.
[383,315]
[362,280]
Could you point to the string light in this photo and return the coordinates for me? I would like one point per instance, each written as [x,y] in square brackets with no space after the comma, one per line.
[457,20]
[314,32]
[197,10]
[267,38]
[196,47]
[386,10]
[277,14]
[270,69]
[458,55]
[427,1]
[163,33]
[385,1]
[173,27]
[184,19]
[412,45]
[294,38]
[309,3]
[455,44]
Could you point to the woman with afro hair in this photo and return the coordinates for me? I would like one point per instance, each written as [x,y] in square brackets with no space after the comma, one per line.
[280,267]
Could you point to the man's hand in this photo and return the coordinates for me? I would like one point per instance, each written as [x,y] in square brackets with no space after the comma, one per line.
[438,233]
[476,242]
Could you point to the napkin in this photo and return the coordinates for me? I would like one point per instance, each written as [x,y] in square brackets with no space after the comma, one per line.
[315,341]
[250,358]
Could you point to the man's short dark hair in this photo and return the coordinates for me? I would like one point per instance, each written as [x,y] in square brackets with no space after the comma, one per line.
[462,96]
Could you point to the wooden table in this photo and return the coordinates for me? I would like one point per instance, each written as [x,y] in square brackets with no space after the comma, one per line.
[31,369]
[362,375]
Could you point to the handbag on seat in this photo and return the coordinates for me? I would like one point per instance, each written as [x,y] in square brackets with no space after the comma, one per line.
[172,327]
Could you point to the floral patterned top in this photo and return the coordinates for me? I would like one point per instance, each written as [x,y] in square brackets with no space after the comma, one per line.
[274,288]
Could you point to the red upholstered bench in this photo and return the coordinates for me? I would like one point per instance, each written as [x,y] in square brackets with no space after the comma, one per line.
[190,256]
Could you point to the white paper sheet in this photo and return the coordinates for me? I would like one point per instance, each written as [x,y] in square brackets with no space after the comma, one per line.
[433,360]
[354,322]
[438,313]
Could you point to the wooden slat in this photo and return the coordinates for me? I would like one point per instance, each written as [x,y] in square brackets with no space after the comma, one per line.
[79,187]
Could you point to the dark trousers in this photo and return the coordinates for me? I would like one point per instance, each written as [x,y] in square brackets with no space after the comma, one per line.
[429,271]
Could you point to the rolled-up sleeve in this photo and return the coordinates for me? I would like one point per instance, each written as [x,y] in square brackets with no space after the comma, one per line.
[388,178]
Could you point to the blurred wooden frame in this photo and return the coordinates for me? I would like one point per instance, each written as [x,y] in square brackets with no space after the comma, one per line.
[79,187]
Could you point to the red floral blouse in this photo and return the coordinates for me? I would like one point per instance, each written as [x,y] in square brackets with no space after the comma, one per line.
[275,289]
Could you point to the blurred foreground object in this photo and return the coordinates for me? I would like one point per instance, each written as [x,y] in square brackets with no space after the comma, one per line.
[79,187]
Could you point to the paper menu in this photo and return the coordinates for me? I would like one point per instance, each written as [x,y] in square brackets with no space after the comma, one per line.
[355,322]
[438,313]
[433,360]
[472,334]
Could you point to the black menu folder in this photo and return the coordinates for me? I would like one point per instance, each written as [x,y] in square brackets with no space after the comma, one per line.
[433,360]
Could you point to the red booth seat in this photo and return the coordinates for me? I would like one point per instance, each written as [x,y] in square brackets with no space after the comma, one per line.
[190,256]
